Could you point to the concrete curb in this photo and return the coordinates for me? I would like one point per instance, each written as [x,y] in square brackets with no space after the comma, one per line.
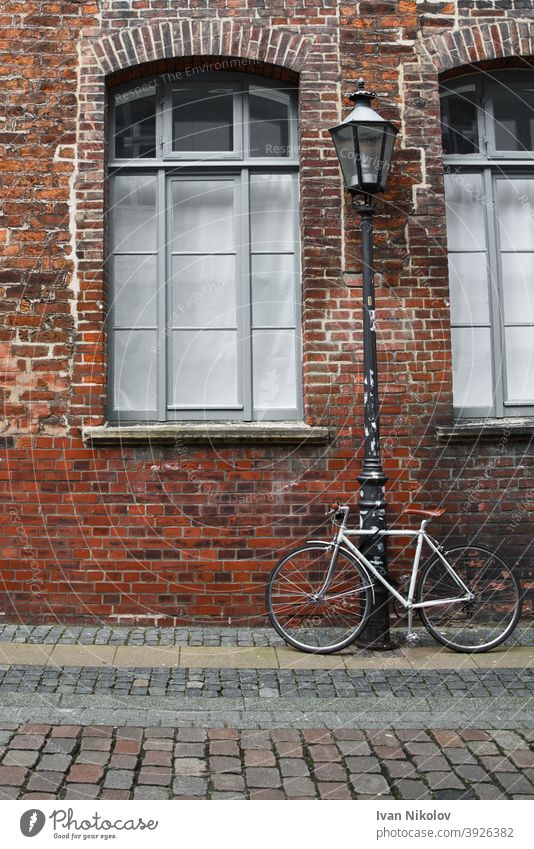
[250,657]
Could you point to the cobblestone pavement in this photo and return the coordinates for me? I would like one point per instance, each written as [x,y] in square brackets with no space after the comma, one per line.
[438,729]
[100,762]
[191,636]
[267,683]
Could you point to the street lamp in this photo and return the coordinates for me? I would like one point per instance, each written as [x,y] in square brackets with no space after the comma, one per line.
[364,146]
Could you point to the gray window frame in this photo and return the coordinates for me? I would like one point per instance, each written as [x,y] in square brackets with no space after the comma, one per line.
[492,165]
[171,165]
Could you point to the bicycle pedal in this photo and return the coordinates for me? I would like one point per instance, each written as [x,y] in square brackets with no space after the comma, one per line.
[412,639]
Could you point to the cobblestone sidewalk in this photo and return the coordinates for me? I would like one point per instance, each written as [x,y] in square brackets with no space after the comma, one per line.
[190,723]
[101,635]
[71,762]
[267,683]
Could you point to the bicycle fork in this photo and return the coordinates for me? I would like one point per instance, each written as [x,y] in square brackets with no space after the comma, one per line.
[330,573]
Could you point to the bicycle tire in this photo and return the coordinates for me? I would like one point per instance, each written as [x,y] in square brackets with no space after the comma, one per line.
[318,626]
[476,626]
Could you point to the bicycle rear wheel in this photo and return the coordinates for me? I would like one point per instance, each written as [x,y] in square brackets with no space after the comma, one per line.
[306,618]
[477,625]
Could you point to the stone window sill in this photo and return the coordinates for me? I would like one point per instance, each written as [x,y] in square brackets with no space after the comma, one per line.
[471,430]
[189,433]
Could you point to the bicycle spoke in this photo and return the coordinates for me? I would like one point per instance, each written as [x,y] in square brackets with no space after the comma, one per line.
[326,621]
[482,622]
[349,592]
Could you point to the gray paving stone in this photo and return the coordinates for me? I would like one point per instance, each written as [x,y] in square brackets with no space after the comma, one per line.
[483,747]
[190,786]
[81,791]
[189,750]
[119,779]
[150,793]
[472,773]
[47,782]
[399,769]
[220,763]
[293,767]
[451,793]
[90,757]
[374,785]
[299,787]
[353,747]
[59,745]
[513,782]
[190,766]
[509,740]
[12,793]
[421,748]
[191,735]
[412,789]
[20,757]
[263,777]
[458,756]
[443,781]
[431,763]
[58,763]
[363,764]
[498,763]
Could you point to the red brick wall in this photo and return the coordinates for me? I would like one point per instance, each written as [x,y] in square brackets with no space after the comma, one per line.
[177,533]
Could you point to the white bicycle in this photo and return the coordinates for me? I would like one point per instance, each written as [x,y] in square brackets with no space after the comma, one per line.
[319,596]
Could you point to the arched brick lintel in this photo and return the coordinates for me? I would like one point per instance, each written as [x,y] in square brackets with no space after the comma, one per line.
[167,40]
[481,43]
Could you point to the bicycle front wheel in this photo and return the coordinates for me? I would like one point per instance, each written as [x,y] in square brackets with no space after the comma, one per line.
[308,618]
[477,625]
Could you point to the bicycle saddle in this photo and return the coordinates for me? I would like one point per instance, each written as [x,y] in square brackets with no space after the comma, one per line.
[430,514]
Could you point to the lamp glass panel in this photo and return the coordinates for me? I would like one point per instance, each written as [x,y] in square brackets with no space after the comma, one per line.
[387,154]
[344,142]
[370,149]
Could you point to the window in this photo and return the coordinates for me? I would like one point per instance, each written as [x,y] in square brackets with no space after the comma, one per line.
[488,141]
[204,250]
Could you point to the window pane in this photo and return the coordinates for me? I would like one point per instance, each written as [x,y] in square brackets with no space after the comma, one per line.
[204,367]
[518,287]
[202,215]
[273,290]
[271,212]
[468,280]
[273,360]
[269,123]
[135,369]
[515,209]
[519,343]
[202,119]
[203,291]
[133,213]
[135,124]
[465,204]
[513,112]
[459,127]
[134,291]
[471,356]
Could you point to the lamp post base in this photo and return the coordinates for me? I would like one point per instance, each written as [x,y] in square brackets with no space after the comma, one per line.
[376,635]
[377,645]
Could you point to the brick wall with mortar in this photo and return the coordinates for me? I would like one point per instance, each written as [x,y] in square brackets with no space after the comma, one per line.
[171,534]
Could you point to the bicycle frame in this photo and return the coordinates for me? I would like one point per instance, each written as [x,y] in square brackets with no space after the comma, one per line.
[342,538]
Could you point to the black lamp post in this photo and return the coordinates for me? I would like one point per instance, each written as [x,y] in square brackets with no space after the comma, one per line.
[364,146]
